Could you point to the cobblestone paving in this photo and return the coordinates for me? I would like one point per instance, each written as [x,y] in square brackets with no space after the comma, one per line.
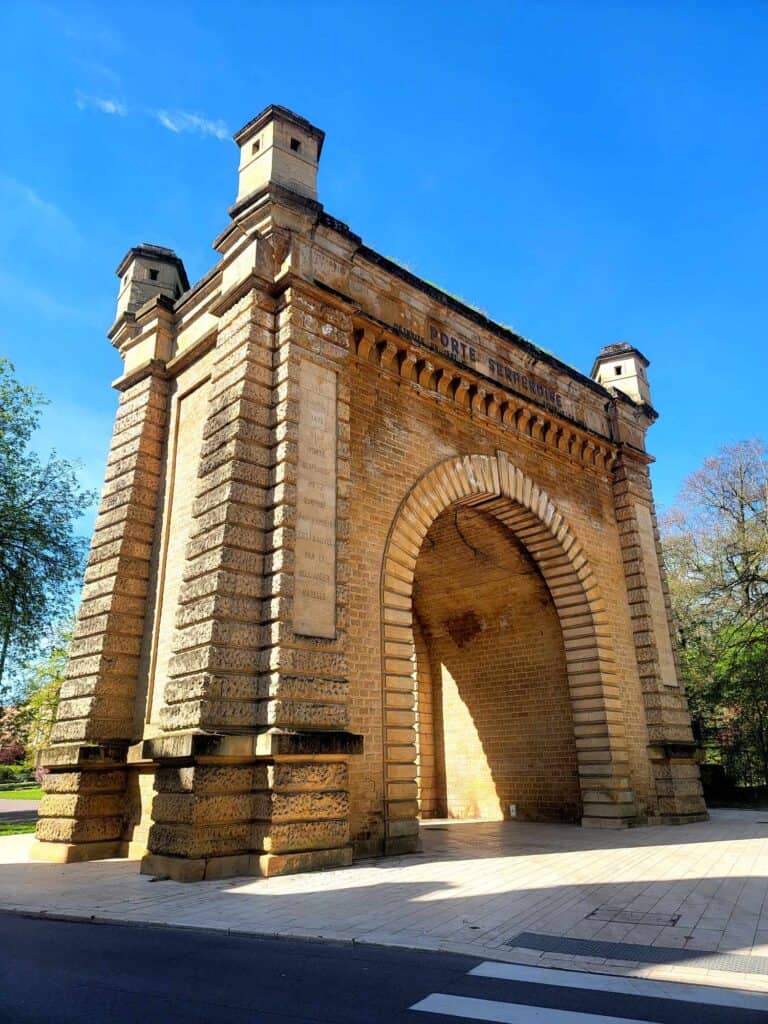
[472,889]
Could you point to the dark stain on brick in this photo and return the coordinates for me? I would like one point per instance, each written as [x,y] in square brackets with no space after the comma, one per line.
[464,628]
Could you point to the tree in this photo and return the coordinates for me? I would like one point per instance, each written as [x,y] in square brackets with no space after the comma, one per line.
[13,730]
[40,688]
[716,554]
[41,556]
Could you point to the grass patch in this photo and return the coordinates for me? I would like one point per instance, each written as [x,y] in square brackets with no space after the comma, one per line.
[33,793]
[16,828]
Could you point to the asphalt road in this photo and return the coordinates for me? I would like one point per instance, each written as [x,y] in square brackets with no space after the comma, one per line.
[54,972]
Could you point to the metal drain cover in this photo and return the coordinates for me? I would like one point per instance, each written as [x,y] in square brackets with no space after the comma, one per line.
[633,917]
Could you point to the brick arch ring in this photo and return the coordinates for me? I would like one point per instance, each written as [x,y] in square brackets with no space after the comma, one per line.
[494,485]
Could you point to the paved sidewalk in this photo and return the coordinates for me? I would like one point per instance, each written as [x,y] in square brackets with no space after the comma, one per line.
[473,889]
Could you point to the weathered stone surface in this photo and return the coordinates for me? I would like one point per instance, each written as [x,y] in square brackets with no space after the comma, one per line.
[209,809]
[290,776]
[84,782]
[361,555]
[313,805]
[205,779]
[186,840]
[272,864]
[78,830]
[301,835]
[81,805]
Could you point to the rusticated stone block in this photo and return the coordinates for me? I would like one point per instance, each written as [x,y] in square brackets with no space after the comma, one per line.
[287,776]
[211,714]
[92,730]
[108,705]
[185,840]
[81,805]
[206,779]
[310,806]
[212,659]
[306,714]
[79,830]
[84,782]
[189,808]
[286,687]
[271,864]
[301,835]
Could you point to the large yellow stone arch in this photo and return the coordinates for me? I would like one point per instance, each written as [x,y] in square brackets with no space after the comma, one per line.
[494,485]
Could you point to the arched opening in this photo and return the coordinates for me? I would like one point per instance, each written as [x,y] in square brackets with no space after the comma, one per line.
[494,729]
[533,534]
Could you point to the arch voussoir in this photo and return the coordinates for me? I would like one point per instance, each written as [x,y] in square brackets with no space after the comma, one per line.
[498,487]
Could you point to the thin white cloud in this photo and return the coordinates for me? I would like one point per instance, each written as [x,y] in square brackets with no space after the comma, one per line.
[179,121]
[18,293]
[105,105]
[94,67]
[26,211]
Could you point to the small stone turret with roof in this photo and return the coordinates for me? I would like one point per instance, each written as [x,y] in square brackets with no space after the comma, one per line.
[621,366]
[279,147]
[146,271]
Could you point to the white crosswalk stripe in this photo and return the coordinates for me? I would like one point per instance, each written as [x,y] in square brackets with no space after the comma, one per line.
[734,999]
[473,1008]
[511,1013]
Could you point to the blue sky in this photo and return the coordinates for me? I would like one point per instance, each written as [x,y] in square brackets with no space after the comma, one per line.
[586,172]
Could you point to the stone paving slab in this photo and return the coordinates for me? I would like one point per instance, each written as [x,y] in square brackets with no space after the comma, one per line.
[472,889]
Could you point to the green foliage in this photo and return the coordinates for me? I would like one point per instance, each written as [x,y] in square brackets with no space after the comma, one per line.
[12,735]
[13,774]
[16,828]
[41,556]
[716,554]
[41,687]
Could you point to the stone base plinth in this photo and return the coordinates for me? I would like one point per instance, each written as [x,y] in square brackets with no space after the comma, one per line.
[197,869]
[271,864]
[83,806]
[72,853]
[678,782]
[263,803]
[396,845]
[612,823]
[677,819]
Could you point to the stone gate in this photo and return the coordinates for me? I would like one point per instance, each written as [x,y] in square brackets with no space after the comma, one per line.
[362,556]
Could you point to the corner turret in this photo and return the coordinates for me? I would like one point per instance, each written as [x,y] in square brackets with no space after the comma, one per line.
[146,271]
[279,147]
[622,367]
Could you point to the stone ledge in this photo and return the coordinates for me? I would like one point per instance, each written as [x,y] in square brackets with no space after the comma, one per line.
[268,865]
[250,746]
[80,755]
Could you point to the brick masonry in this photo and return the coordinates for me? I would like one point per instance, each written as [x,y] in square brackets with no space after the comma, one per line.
[491,629]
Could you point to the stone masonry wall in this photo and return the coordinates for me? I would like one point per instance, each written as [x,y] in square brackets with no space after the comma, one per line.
[499,675]
[398,432]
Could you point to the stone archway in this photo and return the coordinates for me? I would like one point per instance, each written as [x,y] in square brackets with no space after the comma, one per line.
[501,489]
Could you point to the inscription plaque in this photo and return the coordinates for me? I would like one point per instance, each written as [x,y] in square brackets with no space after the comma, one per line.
[656,597]
[314,604]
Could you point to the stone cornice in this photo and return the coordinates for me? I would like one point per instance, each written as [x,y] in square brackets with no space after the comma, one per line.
[481,396]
